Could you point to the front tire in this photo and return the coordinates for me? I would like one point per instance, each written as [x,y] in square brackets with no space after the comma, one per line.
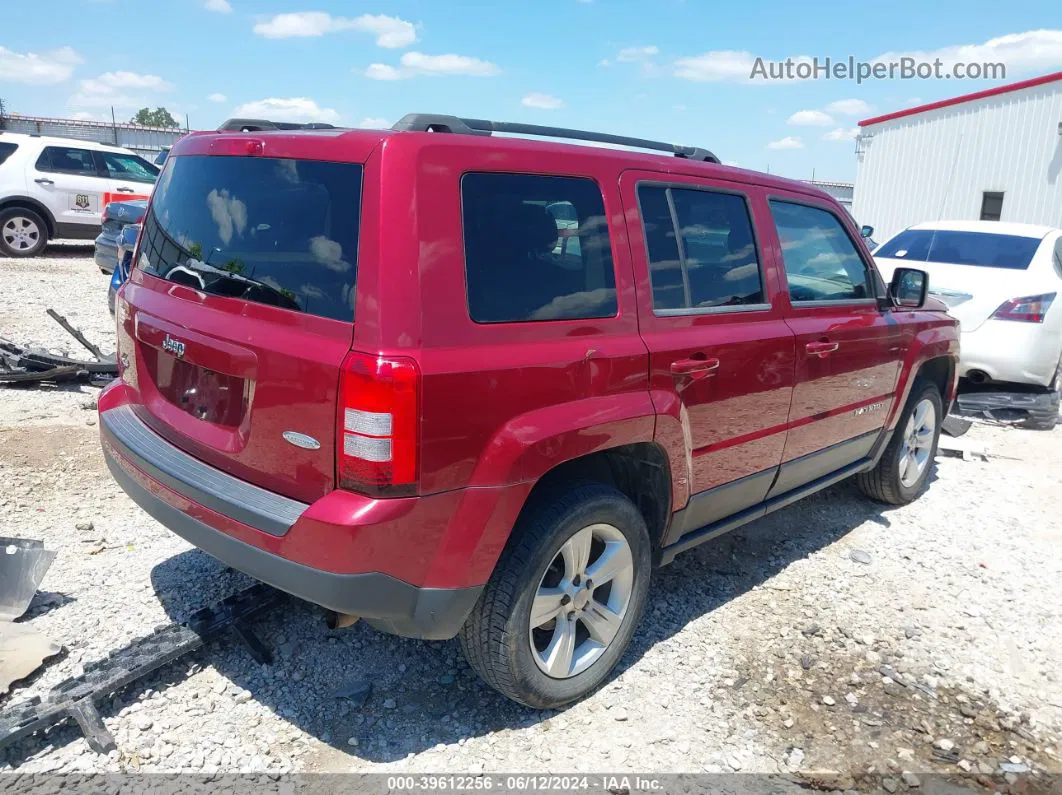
[23,233]
[903,469]
[545,632]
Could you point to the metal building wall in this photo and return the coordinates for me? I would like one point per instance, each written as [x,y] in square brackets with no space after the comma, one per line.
[936,165]
[143,140]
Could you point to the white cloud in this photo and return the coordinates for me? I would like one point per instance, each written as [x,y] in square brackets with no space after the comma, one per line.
[299,109]
[374,123]
[789,142]
[221,6]
[841,134]
[633,54]
[849,107]
[810,118]
[48,68]
[120,89]
[83,115]
[413,64]
[217,97]
[390,32]
[716,66]
[1031,51]
[732,163]
[541,101]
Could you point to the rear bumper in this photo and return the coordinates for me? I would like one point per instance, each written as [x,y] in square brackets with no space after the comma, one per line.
[1009,351]
[106,255]
[198,502]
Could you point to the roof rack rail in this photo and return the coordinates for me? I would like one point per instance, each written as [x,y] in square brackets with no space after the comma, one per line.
[258,125]
[432,122]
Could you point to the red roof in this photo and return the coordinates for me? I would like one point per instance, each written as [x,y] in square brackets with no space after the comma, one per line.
[944,103]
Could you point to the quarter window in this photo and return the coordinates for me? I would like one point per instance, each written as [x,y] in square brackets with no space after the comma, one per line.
[821,261]
[536,248]
[6,150]
[67,160]
[701,249]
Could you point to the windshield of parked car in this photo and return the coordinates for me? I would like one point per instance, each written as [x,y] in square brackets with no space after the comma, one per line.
[272,231]
[982,249]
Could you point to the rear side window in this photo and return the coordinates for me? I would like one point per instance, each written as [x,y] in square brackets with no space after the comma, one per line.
[67,160]
[128,167]
[701,249]
[821,261]
[536,248]
[6,150]
[272,231]
[982,249]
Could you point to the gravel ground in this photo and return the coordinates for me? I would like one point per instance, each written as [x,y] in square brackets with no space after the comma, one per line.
[835,641]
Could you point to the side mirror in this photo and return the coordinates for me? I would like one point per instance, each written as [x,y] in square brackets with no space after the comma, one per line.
[866,231]
[909,287]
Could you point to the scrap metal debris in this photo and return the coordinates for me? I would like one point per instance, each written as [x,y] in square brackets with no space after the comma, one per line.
[23,564]
[23,650]
[24,364]
[76,697]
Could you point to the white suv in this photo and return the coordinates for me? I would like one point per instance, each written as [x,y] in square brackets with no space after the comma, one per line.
[58,187]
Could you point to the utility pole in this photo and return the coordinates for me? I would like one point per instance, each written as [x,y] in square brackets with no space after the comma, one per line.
[114,126]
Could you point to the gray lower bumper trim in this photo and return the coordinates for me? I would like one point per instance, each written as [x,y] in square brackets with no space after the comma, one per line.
[237,499]
[386,602]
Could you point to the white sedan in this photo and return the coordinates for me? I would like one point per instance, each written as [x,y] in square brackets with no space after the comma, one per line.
[1002,282]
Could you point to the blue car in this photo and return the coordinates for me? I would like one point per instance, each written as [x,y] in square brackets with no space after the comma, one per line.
[115,216]
[125,242]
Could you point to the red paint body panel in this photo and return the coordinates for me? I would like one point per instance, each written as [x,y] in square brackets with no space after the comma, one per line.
[500,405]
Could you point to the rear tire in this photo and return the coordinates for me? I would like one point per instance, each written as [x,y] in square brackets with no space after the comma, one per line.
[23,233]
[913,444]
[529,664]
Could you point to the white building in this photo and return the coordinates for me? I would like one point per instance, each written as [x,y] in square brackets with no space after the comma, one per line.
[992,155]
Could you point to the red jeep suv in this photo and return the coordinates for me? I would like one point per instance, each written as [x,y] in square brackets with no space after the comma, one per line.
[457,384]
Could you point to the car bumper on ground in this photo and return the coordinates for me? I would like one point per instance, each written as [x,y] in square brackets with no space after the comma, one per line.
[264,534]
[1010,351]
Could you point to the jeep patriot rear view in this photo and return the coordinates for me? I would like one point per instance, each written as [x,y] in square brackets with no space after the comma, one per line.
[463,385]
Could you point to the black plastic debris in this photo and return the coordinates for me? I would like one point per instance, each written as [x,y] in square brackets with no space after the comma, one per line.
[24,365]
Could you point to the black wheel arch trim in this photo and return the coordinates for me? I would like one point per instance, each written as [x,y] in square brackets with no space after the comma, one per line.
[31,204]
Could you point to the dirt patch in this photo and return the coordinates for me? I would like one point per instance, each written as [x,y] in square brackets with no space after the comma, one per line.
[847,717]
[45,449]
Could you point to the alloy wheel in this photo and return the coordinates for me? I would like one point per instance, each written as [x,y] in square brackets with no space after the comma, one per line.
[581,601]
[917,442]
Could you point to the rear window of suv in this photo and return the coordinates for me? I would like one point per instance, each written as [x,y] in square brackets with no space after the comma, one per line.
[272,231]
[536,248]
[982,249]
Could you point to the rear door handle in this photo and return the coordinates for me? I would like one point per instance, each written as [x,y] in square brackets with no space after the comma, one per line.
[126,190]
[821,349]
[44,181]
[695,368]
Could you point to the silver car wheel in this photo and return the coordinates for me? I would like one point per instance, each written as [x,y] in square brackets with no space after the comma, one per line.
[21,233]
[581,601]
[917,442]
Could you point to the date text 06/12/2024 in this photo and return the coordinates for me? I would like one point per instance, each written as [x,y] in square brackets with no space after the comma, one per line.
[521,783]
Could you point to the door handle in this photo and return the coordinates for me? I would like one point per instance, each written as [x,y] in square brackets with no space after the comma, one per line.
[695,368]
[126,190]
[44,181]
[821,349]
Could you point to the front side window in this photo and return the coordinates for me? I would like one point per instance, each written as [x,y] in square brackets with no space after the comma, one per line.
[128,167]
[536,248]
[67,160]
[703,254]
[821,261]
[268,230]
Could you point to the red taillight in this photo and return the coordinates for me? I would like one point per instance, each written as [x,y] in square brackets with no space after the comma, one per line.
[376,442]
[1030,309]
